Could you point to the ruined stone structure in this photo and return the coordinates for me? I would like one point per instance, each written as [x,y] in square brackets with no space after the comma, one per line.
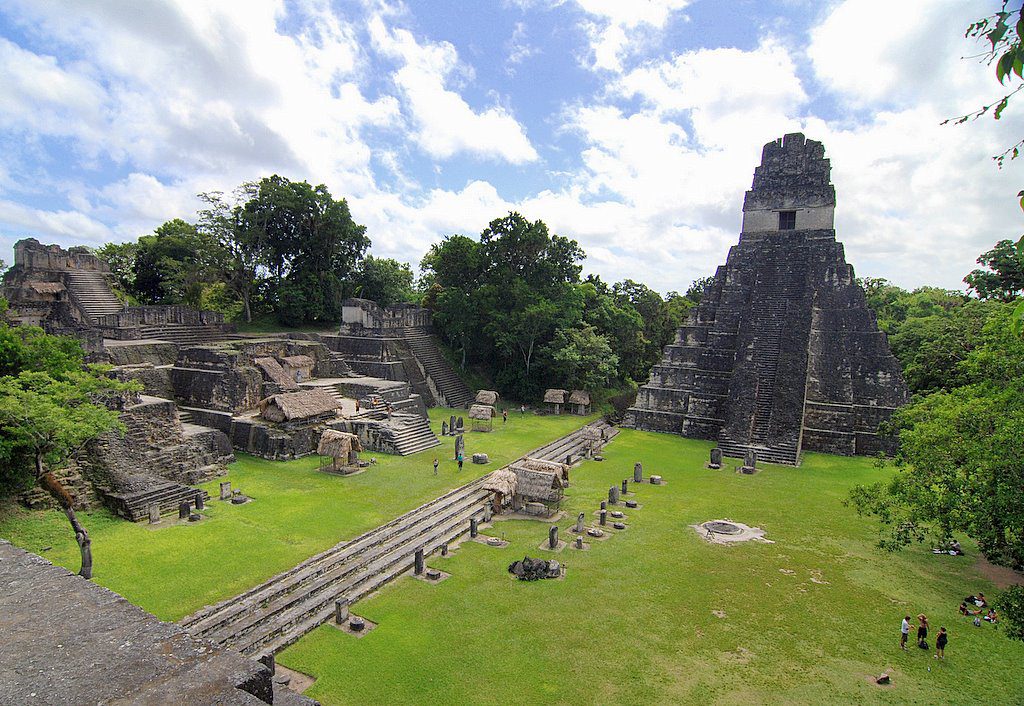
[404,334]
[67,292]
[782,354]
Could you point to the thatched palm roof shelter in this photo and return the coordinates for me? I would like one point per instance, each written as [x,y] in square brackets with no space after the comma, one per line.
[482,414]
[554,396]
[338,444]
[305,405]
[579,397]
[275,373]
[488,397]
[502,481]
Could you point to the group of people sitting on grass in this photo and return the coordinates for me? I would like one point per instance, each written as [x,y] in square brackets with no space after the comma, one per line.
[975,606]
[922,636]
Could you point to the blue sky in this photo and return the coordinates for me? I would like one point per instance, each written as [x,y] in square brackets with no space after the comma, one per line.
[633,127]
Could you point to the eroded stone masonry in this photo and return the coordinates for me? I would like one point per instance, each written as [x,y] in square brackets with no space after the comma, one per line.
[782,354]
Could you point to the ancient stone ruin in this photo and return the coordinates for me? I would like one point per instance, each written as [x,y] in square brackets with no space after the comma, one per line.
[68,292]
[782,354]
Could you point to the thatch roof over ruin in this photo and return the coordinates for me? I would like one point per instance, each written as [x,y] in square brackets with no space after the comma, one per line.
[298,361]
[45,287]
[275,373]
[579,397]
[537,485]
[305,404]
[538,464]
[337,444]
[487,397]
[502,481]
[591,433]
[554,396]
[482,411]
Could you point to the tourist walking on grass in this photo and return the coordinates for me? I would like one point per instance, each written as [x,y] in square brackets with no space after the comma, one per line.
[940,644]
[504,416]
[460,462]
[904,630]
[435,466]
[922,631]
[522,409]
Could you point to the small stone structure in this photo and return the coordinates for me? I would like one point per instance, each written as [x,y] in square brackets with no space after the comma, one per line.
[556,399]
[716,458]
[782,354]
[528,569]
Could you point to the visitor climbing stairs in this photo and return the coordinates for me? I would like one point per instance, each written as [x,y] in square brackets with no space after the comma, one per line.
[447,382]
[277,613]
[90,291]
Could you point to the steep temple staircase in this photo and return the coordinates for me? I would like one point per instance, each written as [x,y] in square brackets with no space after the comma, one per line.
[90,291]
[449,385]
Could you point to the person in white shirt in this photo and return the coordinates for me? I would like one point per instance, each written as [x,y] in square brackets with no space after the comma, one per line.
[904,632]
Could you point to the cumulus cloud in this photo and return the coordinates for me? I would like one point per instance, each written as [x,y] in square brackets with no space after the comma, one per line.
[616,27]
[445,122]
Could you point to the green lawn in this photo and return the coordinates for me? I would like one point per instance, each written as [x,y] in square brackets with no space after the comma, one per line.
[634,621]
[174,569]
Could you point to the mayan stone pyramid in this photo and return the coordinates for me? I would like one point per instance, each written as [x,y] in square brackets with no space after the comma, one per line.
[782,354]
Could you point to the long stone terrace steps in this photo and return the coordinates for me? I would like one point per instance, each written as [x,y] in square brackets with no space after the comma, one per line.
[272,615]
[574,445]
[269,617]
[182,334]
[448,383]
[786,454]
[92,293]
[414,435]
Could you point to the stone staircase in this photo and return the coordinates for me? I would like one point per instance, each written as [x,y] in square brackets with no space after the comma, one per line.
[269,617]
[182,334]
[782,453]
[134,506]
[92,294]
[408,433]
[275,614]
[449,385]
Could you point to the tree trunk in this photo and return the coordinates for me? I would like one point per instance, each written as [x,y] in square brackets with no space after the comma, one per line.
[248,308]
[53,486]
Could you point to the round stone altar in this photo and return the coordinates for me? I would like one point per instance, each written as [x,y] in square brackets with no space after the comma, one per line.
[727,532]
[722,527]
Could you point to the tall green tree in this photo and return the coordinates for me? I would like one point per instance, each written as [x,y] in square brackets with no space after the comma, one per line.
[1003,275]
[51,406]
[383,280]
[309,243]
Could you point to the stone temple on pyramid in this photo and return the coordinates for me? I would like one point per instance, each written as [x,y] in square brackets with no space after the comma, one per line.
[782,355]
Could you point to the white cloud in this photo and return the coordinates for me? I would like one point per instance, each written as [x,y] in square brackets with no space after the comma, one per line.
[445,123]
[619,26]
[518,48]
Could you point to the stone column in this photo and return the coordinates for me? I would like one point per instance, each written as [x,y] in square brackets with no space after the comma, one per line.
[200,502]
[613,496]
[154,513]
[716,457]
[553,537]
[625,485]
[750,458]
[341,610]
[444,549]
[579,523]
[418,561]
[579,542]
[451,425]
[225,490]
[638,472]
[474,528]
[444,428]
[604,504]
[184,510]
[604,517]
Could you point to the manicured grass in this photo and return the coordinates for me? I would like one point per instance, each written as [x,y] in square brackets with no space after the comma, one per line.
[807,619]
[173,569]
